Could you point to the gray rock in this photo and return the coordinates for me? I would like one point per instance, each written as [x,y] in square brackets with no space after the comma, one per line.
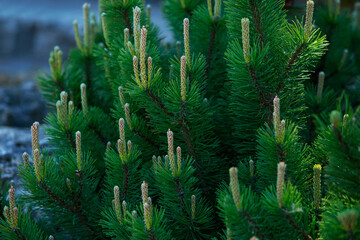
[21,105]
[13,143]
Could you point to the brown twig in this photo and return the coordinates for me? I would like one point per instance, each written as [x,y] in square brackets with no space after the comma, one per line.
[343,144]
[294,225]
[293,58]
[99,185]
[71,140]
[56,198]
[151,234]
[190,80]
[127,20]
[87,71]
[280,152]
[79,173]
[321,66]
[159,103]
[61,88]
[257,20]
[99,135]
[180,193]
[257,85]
[185,131]
[19,234]
[211,49]
[137,133]
[254,225]
[126,181]
[71,208]
[288,67]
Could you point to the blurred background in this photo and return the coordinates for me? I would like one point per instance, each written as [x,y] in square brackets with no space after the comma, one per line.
[29,30]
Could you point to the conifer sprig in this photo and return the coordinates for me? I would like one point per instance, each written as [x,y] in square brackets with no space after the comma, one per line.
[276,118]
[55,62]
[170,137]
[127,114]
[343,58]
[183,78]
[280,183]
[87,43]
[320,85]
[35,136]
[78,150]
[84,99]
[309,18]
[11,213]
[136,70]
[144,80]
[86,14]
[117,203]
[245,39]
[317,185]
[187,41]
[77,35]
[104,28]
[37,164]
[217,8]
[136,27]
[234,185]
[26,160]
[126,37]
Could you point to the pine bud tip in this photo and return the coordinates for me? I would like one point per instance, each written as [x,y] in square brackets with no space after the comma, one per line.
[234,185]
[280,182]
[246,38]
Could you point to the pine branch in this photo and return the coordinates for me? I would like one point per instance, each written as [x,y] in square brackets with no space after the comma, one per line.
[288,67]
[88,72]
[100,183]
[189,145]
[71,140]
[151,234]
[321,66]
[280,152]
[254,225]
[55,197]
[312,131]
[61,88]
[190,80]
[257,86]
[344,145]
[180,194]
[185,132]
[127,21]
[98,134]
[84,221]
[257,20]
[148,140]
[159,103]
[294,225]
[19,234]
[62,203]
[79,173]
[211,48]
[188,11]
[126,181]
[336,71]
[292,61]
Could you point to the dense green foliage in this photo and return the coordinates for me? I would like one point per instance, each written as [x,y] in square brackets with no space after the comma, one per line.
[124,102]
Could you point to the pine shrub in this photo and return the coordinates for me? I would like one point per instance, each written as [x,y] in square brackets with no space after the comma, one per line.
[143,133]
